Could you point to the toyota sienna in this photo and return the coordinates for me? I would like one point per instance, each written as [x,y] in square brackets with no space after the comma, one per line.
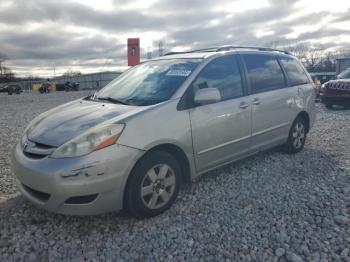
[162,123]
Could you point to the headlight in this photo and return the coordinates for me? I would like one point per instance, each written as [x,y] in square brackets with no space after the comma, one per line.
[92,140]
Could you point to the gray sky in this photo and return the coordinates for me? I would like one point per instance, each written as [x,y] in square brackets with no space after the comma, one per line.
[90,35]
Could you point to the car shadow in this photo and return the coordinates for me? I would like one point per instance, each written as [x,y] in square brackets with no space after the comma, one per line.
[339,108]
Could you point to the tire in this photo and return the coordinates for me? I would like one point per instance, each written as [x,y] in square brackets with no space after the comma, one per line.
[329,106]
[296,137]
[149,176]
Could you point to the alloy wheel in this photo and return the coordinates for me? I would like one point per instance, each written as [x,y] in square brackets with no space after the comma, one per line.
[298,135]
[158,186]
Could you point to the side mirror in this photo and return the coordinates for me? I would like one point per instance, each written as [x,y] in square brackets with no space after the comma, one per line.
[207,96]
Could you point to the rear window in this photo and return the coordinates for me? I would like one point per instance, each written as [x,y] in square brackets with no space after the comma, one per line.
[264,72]
[295,73]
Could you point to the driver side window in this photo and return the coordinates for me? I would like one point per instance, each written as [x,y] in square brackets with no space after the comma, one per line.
[221,73]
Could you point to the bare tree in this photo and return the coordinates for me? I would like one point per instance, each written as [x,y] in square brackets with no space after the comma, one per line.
[3,58]
[342,53]
[328,63]
[298,49]
[313,57]
[149,53]
[72,73]
[160,48]
[6,73]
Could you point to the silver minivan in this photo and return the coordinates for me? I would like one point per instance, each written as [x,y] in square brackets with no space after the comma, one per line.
[160,124]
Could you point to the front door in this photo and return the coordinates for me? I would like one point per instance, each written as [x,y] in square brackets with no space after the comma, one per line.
[220,131]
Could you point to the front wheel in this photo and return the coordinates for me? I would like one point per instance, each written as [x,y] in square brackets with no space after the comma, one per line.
[153,185]
[296,137]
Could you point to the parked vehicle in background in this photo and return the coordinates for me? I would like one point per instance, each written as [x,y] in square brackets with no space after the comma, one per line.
[45,87]
[161,123]
[13,89]
[3,88]
[337,92]
[10,88]
[68,86]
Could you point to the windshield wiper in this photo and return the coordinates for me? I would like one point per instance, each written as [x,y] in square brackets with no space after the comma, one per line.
[146,102]
[113,100]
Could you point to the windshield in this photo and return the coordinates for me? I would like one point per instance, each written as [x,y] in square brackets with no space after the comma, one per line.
[148,83]
[344,74]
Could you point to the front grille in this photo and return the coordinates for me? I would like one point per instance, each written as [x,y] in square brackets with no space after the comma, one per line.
[338,85]
[33,156]
[37,150]
[81,199]
[43,146]
[43,197]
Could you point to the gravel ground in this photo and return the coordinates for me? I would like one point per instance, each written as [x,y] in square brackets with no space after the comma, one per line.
[269,207]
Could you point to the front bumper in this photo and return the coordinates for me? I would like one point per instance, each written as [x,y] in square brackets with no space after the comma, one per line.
[341,99]
[97,184]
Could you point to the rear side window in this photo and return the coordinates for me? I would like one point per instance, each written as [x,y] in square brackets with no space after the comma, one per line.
[264,72]
[221,73]
[295,73]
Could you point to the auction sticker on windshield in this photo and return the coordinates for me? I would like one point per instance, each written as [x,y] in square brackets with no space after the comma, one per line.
[178,72]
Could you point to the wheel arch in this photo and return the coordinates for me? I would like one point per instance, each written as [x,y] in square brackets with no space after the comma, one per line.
[306,117]
[179,155]
[176,152]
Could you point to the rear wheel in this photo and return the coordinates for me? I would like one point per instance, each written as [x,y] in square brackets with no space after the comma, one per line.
[153,185]
[297,136]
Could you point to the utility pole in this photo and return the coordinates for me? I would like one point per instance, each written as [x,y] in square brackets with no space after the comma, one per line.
[149,52]
[160,48]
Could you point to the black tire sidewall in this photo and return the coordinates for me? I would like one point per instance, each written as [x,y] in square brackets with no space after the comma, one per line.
[133,201]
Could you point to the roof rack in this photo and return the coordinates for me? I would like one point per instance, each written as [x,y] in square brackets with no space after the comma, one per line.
[230,47]
[210,49]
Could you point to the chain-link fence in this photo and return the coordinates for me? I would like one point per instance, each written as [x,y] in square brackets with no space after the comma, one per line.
[89,81]
[86,81]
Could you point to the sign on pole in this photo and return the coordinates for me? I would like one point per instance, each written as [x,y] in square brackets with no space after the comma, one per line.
[133,51]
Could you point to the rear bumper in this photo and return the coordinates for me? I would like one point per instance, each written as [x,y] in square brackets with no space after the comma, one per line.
[96,187]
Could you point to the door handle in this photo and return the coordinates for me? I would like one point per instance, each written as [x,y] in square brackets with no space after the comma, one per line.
[243,105]
[256,101]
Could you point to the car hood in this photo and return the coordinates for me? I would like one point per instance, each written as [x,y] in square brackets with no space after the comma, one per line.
[65,122]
